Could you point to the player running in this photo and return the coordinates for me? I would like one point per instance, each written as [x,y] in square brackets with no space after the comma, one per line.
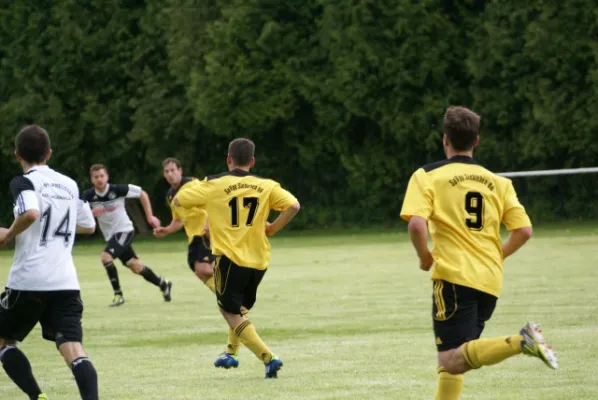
[42,283]
[464,204]
[194,220]
[108,205]
[238,204]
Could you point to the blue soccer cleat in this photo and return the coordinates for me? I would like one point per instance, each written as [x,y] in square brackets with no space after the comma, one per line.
[272,368]
[227,361]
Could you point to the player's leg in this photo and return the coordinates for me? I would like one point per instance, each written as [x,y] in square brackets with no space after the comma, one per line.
[148,274]
[61,323]
[201,260]
[113,250]
[483,352]
[19,313]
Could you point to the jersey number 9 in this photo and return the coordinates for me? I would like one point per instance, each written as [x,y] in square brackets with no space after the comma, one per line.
[474,204]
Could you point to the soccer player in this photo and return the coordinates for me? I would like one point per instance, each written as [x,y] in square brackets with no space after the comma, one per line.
[42,283]
[464,204]
[238,205]
[108,205]
[194,220]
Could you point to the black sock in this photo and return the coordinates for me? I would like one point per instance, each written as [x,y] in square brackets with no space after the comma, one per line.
[151,276]
[113,276]
[86,377]
[18,369]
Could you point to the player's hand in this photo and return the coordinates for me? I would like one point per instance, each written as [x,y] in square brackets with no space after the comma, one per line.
[4,237]
[160,232]
[269,229]
[154,222]
[426,262]
[97,211]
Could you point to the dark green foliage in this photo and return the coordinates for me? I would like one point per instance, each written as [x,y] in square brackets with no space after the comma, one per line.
[344,99]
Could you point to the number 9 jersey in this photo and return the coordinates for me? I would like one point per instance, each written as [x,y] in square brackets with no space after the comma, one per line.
[238,205]
[43,260]
[464,205]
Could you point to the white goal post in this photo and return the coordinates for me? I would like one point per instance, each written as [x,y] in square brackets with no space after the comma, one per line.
[549,172]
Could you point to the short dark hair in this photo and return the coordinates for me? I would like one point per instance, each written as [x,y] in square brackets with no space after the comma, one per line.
[97,167]
[462,126]
[241,151]
[172,160]
[32,144]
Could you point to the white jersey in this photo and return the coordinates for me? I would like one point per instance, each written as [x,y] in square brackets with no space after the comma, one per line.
[43,260]
[115,218]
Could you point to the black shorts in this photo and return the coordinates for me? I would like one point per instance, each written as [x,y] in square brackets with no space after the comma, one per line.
[59,314]
[120,246]
[199,250]
[459,313]
[236,286]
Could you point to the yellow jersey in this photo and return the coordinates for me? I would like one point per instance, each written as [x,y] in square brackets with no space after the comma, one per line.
[238,204]
[464,205]
[194,219]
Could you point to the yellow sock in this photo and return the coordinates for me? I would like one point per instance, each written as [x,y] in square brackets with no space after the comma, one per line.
[491,351]
[246,332]
[234,343]
[449,386]
[210,284]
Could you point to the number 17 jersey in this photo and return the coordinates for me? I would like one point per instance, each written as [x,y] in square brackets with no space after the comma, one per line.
[464,205]
[238,205]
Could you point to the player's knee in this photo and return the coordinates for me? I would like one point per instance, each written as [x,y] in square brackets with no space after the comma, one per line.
[71,351]
[135,265]
[106,258]
[452,361]
[204,271]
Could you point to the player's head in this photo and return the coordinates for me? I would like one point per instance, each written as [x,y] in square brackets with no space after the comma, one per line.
[99,176]
[240,154]
[173,171]
[32,145]
[461,129]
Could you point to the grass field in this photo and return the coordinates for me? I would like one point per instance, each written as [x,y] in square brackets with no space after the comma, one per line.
[349,315]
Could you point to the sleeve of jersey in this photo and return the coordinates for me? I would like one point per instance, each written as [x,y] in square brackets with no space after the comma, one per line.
[133,192]
[193,194]
[418,198]
[514,216]
[23,194]
[173,210]
[281,199]
[85,218]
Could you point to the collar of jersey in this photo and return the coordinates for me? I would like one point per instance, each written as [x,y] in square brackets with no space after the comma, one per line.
[105,191]
[466,159]
[37,168]
[239,172]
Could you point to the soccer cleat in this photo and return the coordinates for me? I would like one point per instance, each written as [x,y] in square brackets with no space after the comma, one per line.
[166,291]
[272,367]
[117,300]
[227,361]
[534,345]
[42,396]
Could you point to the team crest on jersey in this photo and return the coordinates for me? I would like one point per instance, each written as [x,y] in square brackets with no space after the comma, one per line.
[112,195]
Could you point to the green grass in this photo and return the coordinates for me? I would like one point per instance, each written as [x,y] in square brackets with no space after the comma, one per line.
[348,314]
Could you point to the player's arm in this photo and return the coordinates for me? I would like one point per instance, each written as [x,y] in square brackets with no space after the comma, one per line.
[288,205]
[135,192]
[26,208]
[86,224]
[175,225]
[417,208]
[517,222]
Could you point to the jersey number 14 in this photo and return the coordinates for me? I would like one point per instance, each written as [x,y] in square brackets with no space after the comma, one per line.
[61,231]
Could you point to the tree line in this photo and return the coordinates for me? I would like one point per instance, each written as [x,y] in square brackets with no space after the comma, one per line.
[344,99]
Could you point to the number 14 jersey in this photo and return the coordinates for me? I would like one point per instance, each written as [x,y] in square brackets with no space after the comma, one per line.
[464,205]
[238,205]
[43,260]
